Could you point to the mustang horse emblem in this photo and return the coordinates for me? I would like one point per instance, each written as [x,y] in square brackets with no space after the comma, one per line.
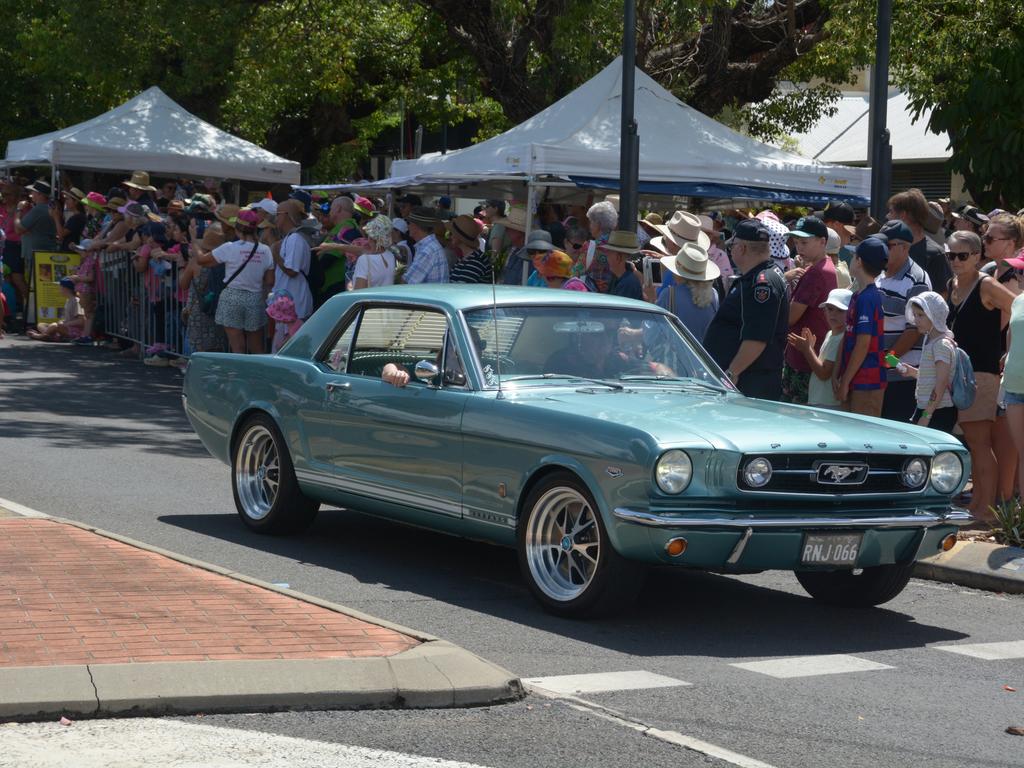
[838,473]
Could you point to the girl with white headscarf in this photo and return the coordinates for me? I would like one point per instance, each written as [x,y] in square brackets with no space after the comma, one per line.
[935,409]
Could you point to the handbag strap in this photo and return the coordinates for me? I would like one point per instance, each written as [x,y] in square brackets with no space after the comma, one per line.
[239,270]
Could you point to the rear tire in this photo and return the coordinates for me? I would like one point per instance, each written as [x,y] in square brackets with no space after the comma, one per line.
[873,586]
[565,555]
[267,495]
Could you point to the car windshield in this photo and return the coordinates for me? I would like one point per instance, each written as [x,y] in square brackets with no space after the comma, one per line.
[537,345]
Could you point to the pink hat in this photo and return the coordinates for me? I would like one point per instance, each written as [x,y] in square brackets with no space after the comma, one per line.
[250,217]
[364,205]
[95,200]
[1017,262]
[282,309]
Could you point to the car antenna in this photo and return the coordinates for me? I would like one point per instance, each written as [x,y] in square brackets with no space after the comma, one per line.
[497,346]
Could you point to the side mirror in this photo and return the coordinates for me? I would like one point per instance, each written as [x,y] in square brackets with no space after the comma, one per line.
[426,371]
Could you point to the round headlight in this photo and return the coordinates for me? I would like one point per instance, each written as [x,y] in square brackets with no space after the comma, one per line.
[757,473]
[947,471]
[673,471]
[915,472]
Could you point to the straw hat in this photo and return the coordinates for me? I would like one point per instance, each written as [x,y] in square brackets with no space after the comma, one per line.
[465,231]
[74,193]
[684,227]
[212,238]
[114,203]
[514,218]
[621,241]
[227,213]
[692,262]
[140,180]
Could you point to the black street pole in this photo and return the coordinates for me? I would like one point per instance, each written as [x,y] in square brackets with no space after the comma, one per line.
[629,142]
[879,151]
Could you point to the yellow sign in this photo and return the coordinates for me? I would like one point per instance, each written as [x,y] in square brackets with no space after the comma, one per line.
[50,267]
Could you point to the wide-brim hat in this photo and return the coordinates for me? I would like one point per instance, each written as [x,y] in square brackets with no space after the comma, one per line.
[140,180]
[465,230]
[865,228]
[74,193]
[539,240]
[659,244]
[933,305]
[95,201]
[514,218]
[621,241]
[114,203]
[227,213]
[40,186]
[692,262]
[152,215]
[213,237]
[684,227]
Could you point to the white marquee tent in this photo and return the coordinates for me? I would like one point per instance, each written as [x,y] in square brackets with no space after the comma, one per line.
[153,133]
[682,151]
[843,136]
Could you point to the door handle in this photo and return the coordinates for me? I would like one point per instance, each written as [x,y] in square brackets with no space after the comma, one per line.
[333,386]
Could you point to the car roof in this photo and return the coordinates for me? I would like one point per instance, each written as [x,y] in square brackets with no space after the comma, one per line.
[460,297]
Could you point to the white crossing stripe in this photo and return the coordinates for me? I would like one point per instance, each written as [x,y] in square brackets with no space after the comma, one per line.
[602,682]
[1014,649]
[811,666]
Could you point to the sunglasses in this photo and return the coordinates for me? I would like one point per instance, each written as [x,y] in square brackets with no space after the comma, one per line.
[576,246]
[959,255]
[989,239]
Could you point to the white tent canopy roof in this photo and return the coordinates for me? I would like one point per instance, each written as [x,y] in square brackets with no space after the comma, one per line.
[153,133]
[843,137]
[578,137]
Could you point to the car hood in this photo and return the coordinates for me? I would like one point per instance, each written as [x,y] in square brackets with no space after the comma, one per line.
[737,423]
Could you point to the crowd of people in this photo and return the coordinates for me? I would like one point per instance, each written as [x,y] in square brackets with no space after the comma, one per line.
[829,308]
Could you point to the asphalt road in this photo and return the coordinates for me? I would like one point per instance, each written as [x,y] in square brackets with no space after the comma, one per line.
[88,436]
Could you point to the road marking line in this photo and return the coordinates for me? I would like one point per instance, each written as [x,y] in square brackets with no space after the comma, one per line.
[669,737]
[810,666]
[1014,649]
[602,682]
[21,509]
[149,741]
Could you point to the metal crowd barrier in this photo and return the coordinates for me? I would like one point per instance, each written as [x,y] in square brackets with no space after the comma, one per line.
[141,307]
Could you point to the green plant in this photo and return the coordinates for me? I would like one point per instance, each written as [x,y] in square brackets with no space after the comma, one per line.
[1009,525]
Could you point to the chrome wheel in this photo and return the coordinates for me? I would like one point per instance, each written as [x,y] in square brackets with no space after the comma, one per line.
[257,472]
[563,544]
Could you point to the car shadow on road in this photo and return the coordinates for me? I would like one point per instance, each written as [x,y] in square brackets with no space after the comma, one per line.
[70,397]
[693,613]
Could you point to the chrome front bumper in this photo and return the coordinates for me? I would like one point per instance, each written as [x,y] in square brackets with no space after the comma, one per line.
[955,516]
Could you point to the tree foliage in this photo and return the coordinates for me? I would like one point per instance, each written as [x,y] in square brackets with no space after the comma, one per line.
[319,80]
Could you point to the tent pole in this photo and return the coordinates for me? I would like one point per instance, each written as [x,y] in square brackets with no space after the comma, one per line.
[629,140]
[531,194]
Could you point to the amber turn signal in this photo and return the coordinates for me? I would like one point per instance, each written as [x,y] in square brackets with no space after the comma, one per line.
[948,542]
[675,547]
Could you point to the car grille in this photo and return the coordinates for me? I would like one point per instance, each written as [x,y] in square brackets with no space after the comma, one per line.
[846,474]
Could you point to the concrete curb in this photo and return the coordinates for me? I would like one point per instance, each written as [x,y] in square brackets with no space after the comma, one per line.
[435,674]
[977,564]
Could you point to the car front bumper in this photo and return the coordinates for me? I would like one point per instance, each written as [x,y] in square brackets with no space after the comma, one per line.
[743,543]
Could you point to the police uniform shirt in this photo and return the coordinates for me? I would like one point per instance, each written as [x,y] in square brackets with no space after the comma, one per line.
[755,309]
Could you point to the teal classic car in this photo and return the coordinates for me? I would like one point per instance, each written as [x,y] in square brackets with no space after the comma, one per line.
[591,433]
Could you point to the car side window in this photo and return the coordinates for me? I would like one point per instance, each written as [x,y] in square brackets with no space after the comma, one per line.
[337,356]
[400,335]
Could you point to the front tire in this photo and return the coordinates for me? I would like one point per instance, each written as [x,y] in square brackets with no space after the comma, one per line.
[267,495]
[872,586]
[565,555]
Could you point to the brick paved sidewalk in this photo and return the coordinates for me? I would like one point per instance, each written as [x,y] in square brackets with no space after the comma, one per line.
[71,596]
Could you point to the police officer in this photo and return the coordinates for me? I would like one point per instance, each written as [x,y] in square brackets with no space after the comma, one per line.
[747,337]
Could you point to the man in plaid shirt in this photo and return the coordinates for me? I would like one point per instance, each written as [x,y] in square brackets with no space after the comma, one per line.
[429,262]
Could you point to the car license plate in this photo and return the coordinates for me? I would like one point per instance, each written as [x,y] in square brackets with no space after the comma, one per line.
[831,549]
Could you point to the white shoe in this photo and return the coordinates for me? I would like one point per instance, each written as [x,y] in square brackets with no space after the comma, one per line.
[157,361]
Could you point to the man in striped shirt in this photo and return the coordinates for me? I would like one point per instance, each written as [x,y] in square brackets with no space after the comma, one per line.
[902,279]
[474,266]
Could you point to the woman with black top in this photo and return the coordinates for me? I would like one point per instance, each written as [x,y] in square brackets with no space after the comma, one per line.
[70,219]
[976,304]
[1003,240]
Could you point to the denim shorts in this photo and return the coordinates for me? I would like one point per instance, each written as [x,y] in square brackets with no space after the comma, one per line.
[1013,398]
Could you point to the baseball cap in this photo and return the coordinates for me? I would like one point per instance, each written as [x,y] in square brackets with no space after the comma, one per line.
[841,212]
[265,204]
[809,226]
[751,230]
[873,251]
[839,298]
[894,229]
[834,244]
